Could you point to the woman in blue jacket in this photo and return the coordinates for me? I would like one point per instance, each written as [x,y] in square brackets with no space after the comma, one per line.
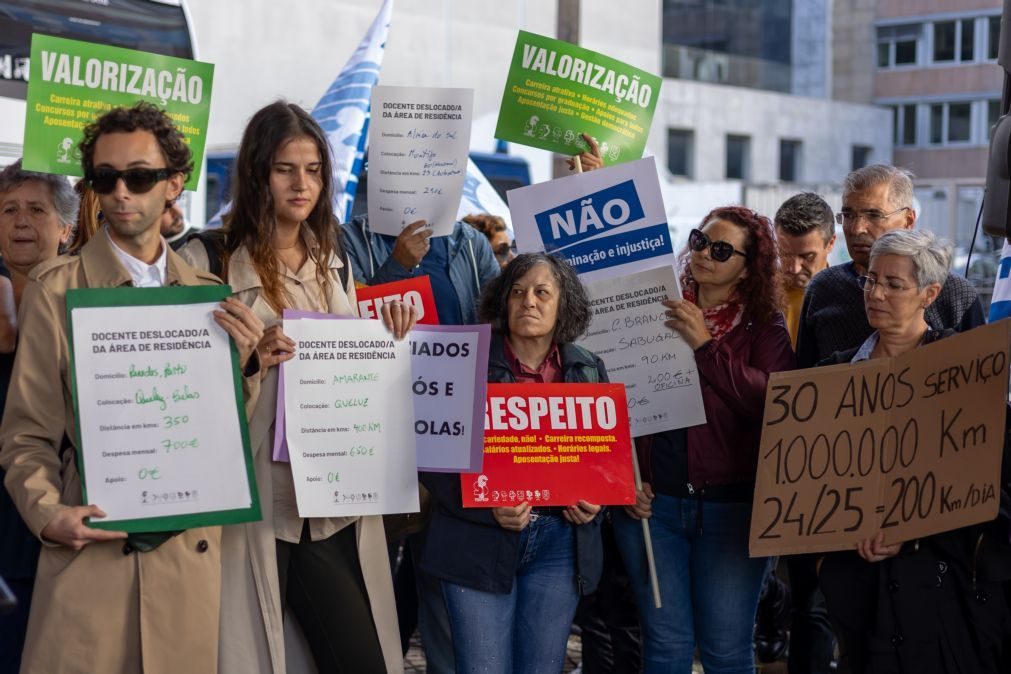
[512,576]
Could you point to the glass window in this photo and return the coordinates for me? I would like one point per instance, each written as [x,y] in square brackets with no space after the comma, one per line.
[967,40]
[861,157]
[905,52]
[789,160]
[959,122]
[738,156]
[884,54]
[993,38]
[679,151]
[944,41]
[909,125]
[897,45]
[937,124]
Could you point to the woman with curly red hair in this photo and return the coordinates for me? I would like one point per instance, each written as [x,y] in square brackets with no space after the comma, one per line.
[698,482]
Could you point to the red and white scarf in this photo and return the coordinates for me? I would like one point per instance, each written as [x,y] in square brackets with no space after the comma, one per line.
[720,319]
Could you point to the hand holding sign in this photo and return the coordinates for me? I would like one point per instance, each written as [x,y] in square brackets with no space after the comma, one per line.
[275,347]
[412,244]
[687,319]
[588,161]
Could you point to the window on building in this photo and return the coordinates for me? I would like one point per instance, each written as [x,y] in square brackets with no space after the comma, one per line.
[950,123]
[738,157]
[904,124]
[993,37]
[861,157]
[680,151]
[959,122]
[937,124]
[898,45]
[944,41]
[967,40]
[789,160]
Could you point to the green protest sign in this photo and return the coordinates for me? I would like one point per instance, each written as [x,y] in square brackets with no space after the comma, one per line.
[71,83]
[556,91]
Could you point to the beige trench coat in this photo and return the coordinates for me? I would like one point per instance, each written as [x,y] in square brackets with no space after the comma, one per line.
[252,638]
[103,609]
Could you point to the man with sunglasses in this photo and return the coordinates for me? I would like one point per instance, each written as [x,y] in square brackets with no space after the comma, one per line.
[876,199]
[137,602]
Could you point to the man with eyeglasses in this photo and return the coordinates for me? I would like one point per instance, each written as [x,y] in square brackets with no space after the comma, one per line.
[106,601]
[876,199]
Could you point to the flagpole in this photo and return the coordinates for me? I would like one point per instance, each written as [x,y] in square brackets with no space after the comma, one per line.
[654,581]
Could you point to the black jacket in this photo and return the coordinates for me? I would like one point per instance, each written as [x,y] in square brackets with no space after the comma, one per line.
[466,546]
[937,607]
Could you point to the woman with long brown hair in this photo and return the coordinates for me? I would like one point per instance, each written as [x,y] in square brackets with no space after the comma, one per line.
[281,248]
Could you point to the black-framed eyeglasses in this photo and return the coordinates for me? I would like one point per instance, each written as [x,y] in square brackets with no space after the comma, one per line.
[137,180]
[849,218]
[721,251]
[868,284]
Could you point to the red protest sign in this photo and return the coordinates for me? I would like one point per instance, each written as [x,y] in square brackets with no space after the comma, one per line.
[552,445]
[416,292]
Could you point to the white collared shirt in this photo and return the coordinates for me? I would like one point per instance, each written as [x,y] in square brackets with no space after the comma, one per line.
[142,274]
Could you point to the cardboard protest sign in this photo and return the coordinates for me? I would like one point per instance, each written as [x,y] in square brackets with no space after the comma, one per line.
[416,292]
[553,444]
[556,91]
[606,223]
[419,141]
[909,445]
[71,83]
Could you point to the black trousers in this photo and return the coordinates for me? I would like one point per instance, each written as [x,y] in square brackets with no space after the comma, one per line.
[609,619]
[811,634]
[322,583]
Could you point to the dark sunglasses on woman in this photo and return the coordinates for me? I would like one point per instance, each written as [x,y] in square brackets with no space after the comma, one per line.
[721,251]
[137,180]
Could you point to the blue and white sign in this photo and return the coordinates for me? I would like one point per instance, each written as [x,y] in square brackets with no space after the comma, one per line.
[606,223]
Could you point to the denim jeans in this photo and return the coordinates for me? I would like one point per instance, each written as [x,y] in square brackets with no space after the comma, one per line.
[525,631]
[709,586]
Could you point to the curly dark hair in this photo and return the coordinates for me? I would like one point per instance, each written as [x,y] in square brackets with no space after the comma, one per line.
[142,116]
[252,220]
[574,312]
[761,291]
[805,212]
[486,223]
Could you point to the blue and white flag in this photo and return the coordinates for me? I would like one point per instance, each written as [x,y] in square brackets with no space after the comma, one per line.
[343,111]
[480,197]
[343,114]
[1000,304]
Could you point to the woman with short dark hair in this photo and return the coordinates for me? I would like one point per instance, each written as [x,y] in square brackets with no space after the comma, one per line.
[512,576]
[698,483]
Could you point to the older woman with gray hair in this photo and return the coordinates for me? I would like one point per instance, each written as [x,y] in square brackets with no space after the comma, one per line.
[927,606]
[37,212]
[512,576]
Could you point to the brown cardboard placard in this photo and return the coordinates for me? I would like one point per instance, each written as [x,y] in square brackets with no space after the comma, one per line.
[909,445]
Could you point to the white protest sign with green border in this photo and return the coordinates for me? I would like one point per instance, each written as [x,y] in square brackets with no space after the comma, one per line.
[556,91]
[71,83]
